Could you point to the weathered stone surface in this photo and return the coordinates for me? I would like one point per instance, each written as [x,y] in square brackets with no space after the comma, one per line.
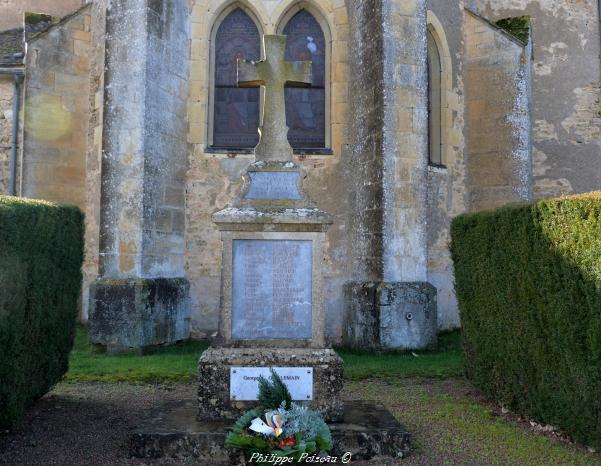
[565,128]
[7,91]
[273,186]
[391,316]
[273,72]
[253,219]
[56,112]
[131,314]
[313,339]
[499,168]
[141,248]
[144,148]
[367,430]
[272,289]
[214,378]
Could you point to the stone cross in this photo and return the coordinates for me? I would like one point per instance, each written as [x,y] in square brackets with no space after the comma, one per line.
[273,72]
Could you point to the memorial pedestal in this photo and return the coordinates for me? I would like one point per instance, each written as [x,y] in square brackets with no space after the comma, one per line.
[272,312]
[317,379]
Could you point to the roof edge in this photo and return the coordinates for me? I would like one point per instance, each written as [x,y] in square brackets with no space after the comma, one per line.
[62,21]
[507,34]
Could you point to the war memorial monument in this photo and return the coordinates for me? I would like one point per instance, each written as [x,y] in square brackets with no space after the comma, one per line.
[272,311]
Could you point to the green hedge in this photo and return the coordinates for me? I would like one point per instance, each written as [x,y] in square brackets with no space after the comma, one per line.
[528,282]
[41,252]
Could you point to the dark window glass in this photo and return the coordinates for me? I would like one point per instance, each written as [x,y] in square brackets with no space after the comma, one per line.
[434,103]
[235,111]
[305,107]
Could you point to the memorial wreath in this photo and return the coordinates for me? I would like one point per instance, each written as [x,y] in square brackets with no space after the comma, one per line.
[279,428]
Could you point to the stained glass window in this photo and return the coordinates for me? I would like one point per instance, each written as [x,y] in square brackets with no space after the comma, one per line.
[305,107]
[236,110]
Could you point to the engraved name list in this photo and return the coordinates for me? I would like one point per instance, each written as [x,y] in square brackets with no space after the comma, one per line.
[271,289]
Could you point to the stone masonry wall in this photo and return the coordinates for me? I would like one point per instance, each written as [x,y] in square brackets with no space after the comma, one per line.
[447,196]
[497,86]
[405,136]
[94,150]
[6,114]
[165,144]
[387,162]
[57,112]
[213,180]
[566,93]
[364,158]
[145,156]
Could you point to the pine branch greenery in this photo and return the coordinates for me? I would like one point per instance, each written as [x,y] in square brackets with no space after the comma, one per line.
[273,392]
[308,429]
[239,437]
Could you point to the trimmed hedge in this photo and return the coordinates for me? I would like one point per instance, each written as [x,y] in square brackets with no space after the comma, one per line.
[41,253]
[528,282]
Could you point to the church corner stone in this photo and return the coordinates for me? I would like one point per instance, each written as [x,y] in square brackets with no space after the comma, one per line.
[141,297]
[134,314]
[391,316]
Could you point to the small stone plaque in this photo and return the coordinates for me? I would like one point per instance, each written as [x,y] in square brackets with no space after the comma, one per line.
[244,382]
[273,185]
[272,289]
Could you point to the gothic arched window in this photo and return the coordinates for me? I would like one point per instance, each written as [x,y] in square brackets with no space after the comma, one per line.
[305,107]
[434,102]
[236,110]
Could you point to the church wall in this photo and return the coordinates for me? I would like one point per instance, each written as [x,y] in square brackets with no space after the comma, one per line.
[566,94]
[447,196]
[145,156]
[165,143]
[56,112]
[94,151]
[364,156]
[213,180]
[11,11]
[7,91]
[497,88]
[405,136]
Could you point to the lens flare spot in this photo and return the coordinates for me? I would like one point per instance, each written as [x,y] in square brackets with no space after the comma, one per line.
[46,119]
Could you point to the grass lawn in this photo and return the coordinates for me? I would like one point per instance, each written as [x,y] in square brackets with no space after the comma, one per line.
[171,363]
[178,362]
[451,425]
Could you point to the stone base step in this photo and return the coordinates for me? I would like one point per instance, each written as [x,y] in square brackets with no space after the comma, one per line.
[368,430]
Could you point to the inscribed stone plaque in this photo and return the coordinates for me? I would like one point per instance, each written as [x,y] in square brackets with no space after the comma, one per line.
[273,185]
[272,289]
[244,382]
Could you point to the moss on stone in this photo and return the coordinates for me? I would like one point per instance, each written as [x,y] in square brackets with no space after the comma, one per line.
[35,18]
[518,26]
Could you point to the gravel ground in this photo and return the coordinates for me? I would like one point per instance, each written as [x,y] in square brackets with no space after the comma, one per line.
[89,424]
[83,424]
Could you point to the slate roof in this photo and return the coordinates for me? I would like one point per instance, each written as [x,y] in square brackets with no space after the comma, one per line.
[11,47]
[12,41]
